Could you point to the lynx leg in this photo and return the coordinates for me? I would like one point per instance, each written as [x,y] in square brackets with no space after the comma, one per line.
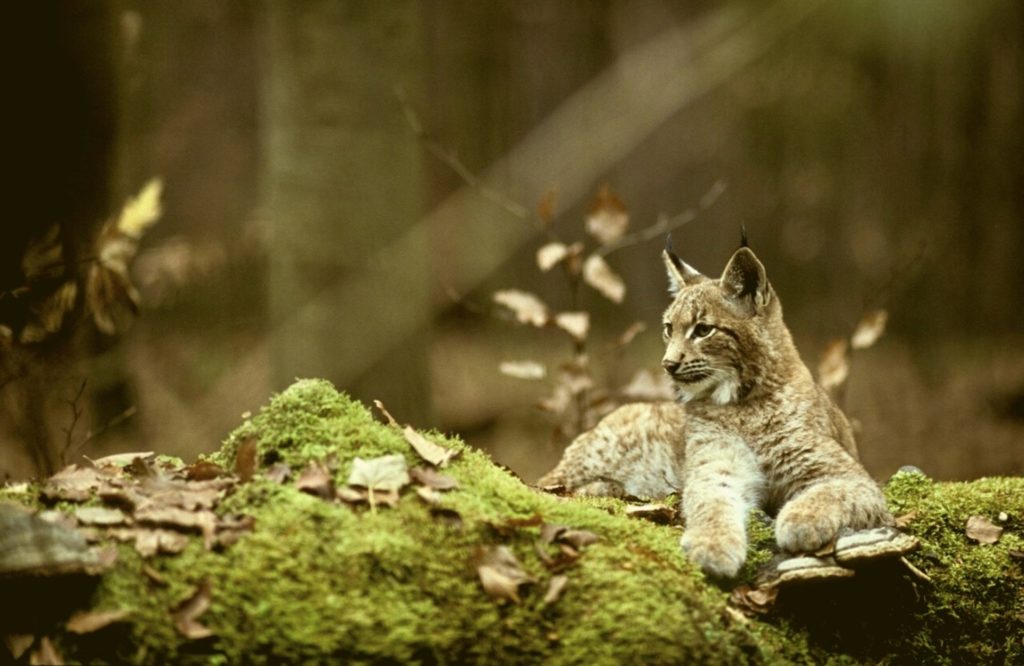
[723,482]
[815,515]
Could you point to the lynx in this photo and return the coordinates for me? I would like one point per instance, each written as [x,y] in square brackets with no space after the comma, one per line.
[753,428]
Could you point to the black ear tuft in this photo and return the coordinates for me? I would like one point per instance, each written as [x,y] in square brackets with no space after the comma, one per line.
[743,236]
[668,243]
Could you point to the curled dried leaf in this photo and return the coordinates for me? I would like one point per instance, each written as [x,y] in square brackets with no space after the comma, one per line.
[754,600]
[187,613]
[869,329]
[435,454]
[316,480]
[86,622]
[523,369]
[556,587]
[599,275]
[608,219]
[527,308]
[500,573]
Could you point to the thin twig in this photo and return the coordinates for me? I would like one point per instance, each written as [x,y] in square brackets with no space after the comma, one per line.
[76,414]
[914,570]
[666,224]
[451,159]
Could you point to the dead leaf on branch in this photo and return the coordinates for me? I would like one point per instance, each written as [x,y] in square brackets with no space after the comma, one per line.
[47,315]
[575,376]
[44,256]
[869,329]
[435,454]
[599,275]
[608,219]
[576,324]
[186,614]
[500,573]
[523,369]
[549,255]
[87,622]
[646,386]
[983,530]
[627,336]
[546,206]
[527,308]
[834,366]
[140,212]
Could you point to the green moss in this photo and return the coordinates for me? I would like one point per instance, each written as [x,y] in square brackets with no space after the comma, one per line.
[320,582]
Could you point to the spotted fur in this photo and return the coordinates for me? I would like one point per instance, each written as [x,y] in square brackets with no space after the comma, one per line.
[752,428]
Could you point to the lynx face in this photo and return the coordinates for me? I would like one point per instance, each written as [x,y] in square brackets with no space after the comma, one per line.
[719,333]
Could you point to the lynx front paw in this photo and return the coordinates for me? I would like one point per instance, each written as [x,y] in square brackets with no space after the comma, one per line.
[803,529]
[718,555]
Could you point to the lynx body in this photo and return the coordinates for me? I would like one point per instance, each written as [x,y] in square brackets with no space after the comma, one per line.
[753,429]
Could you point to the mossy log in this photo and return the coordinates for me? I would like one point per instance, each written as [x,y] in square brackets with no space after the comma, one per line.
[325,581]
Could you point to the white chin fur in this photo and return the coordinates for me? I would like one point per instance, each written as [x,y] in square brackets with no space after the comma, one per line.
[717,389]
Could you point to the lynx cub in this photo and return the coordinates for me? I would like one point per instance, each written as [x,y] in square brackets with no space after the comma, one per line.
[756,430]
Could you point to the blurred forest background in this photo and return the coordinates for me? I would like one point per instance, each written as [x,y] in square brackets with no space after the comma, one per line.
[347,182]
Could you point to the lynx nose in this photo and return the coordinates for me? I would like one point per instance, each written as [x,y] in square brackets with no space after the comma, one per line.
[670,366]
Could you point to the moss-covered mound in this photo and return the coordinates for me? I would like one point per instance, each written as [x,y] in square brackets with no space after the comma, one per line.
[326,581]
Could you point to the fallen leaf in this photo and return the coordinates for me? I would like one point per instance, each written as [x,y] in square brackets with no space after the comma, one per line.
[435,454]
[527,308]
[576,324]
[627,336]
[599,275]
[662,514]
[523,369]
[869,329]
[982,530]
[316,480]
[278,472]
[753,600]
[607,220]
[46,652]
[556,587]
[98,515]
[187,613]
[429,495]
[433,479]
[500,573]
[387,473]
[203,470]
[834,366]
[903,521]
[247,459]
[86,622]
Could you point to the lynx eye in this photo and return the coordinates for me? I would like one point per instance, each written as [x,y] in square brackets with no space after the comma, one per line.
[668,329]
[701,331]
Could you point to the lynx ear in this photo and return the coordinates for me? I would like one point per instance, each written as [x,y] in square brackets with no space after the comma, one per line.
[744,278]
[680,273]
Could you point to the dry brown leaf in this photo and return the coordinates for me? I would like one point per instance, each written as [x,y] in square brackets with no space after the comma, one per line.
[527,308]
[903,521]
[575,377]
[431,478]
[47,653]
[43,256]
[203,470]
[599,275]
[523,369]
[501,574]
[435,454]
[556,587]
[557,402]
[869,329]
[111,296]
[627,336]
[983,530]
[247,459]
[48,314]
[316,480]
[608,219]
[834,366]
[186,614]
[18,644]
[86,622]
[576,324]
[753,600]
[141,211]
